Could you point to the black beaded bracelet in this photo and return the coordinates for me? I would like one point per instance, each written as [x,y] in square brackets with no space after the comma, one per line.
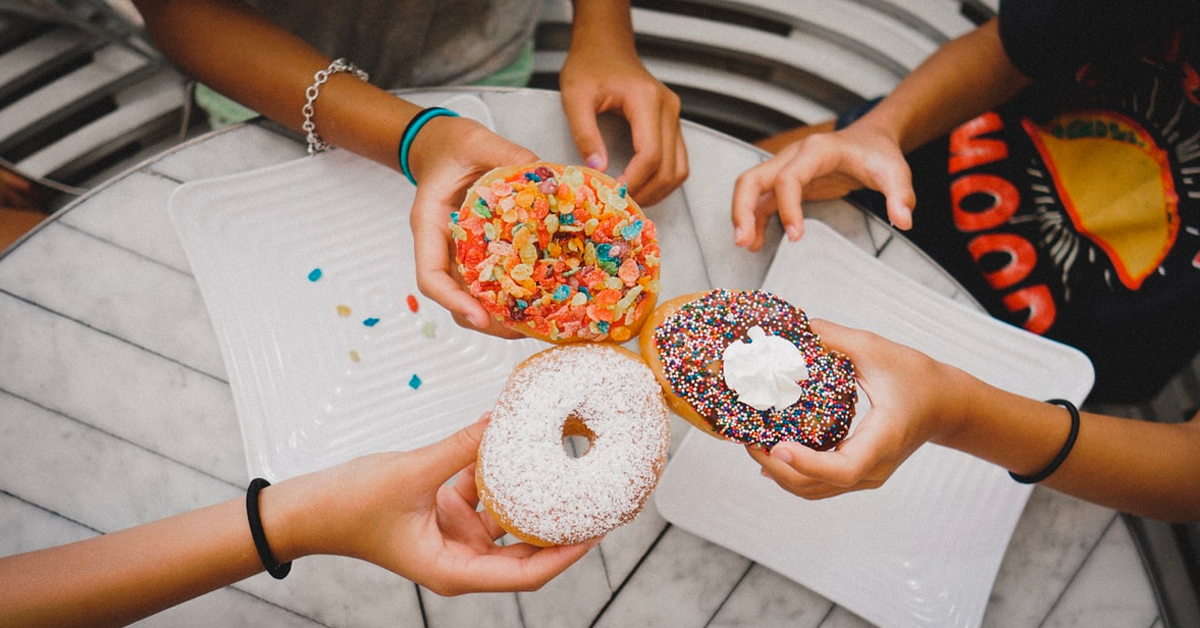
[1062,453]
[410,133]
[277,571]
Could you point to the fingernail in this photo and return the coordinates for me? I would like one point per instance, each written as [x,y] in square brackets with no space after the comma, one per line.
[782,455]
[793,232]
[739,234]
[592,161]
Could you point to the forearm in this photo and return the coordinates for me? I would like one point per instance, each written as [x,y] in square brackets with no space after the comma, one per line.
[239,53]
[117,578]
[1150,469]
[602,25]
[961,80]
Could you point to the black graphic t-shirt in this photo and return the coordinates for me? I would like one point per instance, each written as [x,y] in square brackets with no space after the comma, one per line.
[1074,210]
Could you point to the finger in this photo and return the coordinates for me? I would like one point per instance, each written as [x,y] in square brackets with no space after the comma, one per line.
[493,328]
[894,180]
[522,567]
[767,206]
[465,486]
[668,172]
[788,198]
[748,193]
[646,126]
[784,475]
[441,460]
[431,251]
[493,528]
[585,131]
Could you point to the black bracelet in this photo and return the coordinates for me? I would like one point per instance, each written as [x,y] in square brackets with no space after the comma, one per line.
[1062,453]
[277,571]
[410,133]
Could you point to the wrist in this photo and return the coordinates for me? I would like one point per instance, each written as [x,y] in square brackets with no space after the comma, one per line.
[602,26]
[285,509]
[955,407]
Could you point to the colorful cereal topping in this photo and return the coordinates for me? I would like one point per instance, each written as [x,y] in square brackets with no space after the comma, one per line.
[315,274]
[429,329]
[559,250]
[343,310]
[413,306]
[354,357]
[691,342]
[415,382]
[371,322]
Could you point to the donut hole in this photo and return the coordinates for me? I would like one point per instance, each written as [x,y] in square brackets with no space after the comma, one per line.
[577,437]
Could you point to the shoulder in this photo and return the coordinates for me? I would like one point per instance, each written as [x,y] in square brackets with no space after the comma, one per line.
[1050,38]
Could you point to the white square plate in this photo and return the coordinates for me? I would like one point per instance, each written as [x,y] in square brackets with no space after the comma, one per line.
[923,550]
[312,387]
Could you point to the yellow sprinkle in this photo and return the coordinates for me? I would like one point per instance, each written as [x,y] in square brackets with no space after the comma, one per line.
[343,310]
[354,357]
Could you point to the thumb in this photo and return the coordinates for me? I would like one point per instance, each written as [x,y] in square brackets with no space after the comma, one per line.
[441,460]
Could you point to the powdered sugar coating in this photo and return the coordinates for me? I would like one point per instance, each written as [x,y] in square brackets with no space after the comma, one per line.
[532,485]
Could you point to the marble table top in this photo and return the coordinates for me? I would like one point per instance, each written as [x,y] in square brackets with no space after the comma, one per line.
[116,409]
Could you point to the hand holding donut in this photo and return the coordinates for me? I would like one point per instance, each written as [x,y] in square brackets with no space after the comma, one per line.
[447,157]
[401,515]
[912,402]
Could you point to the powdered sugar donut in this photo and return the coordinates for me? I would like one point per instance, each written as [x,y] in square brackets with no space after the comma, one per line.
[560,253]
[538,492]
[746,366]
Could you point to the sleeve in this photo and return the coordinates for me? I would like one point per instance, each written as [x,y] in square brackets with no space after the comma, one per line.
[1053,38]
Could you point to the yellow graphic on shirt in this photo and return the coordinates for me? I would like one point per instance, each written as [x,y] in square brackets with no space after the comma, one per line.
[1115,184]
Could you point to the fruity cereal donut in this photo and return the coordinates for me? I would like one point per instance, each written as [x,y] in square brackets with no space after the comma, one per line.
[527,481]
[560,253]
[746,366]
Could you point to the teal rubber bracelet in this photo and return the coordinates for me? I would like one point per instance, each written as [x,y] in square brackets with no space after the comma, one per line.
[410,133]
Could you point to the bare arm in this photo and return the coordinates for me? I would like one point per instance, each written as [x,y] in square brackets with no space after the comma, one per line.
[959,81]
[962,79]
[390,509]
[1150,469]
[241,54]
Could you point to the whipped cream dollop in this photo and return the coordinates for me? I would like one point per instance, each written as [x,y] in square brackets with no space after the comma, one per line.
[764,372]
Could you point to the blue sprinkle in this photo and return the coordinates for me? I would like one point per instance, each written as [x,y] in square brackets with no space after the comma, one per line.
[603,251]
[521,303]
[566,219]
[584,290]
[532,177]
[621,190]
[370,322]
[602,326]
[415,382]
[315,274]
[454,217]
[562,292]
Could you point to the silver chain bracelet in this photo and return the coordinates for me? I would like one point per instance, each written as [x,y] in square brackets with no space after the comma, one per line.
[315,143]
